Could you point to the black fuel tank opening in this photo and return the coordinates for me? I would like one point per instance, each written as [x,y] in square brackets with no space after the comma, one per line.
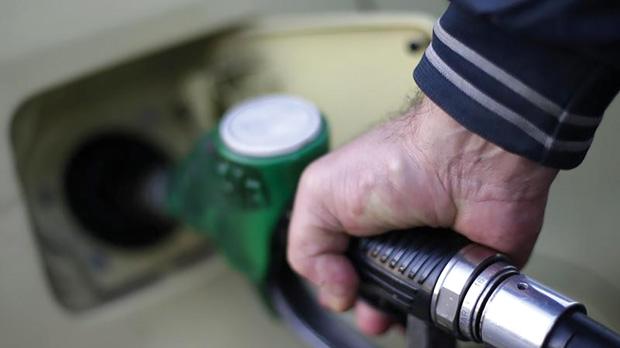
[104,182]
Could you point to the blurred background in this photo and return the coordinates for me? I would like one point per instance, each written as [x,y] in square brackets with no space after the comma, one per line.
[82,80]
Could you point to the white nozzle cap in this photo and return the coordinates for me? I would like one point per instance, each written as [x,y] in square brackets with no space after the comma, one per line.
[270,126]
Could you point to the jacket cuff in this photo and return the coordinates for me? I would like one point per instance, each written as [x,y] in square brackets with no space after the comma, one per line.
[536,100]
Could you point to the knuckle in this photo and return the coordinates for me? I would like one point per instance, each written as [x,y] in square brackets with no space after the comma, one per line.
[311,178]
[357,210]
[299,264]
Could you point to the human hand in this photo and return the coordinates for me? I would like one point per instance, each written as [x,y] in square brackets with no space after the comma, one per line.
[422,169]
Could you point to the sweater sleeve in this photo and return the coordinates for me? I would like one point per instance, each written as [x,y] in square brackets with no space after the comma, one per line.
[533,77]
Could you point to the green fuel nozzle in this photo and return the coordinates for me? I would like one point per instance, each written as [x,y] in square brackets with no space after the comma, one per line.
[240,178]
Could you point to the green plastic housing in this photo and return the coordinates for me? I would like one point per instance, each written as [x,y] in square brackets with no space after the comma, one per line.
[237,200]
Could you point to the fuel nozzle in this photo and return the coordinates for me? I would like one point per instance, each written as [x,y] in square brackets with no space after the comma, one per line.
[468,291]
[239,181]
[240,178]
[483,298]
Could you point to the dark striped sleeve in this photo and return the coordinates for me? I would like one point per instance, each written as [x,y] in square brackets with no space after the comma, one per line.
[537,98]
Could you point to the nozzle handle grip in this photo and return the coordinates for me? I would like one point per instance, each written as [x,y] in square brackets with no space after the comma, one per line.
[398,270]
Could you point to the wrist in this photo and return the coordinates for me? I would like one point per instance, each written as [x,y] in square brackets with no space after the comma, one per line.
[467,164]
